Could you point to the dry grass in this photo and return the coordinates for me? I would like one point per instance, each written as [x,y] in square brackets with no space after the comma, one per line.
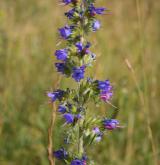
[28,35]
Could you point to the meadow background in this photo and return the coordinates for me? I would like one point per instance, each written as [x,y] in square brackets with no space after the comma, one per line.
[28,35]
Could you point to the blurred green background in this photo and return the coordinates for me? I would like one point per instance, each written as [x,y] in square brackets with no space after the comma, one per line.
[28,35]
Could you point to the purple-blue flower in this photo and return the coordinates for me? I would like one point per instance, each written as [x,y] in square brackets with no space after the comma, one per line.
[98,133]
[52,95]
[61,54]
[83,49]
[60,154]
[62,109]
[96,130]
[66,2]
[60,67]
[96,25]
[66,31]
[110,124]
[70,13]
[69,118]
[78,73]
[105,90]
[106,95]
[104,85]
[79,46]
[74,14]
[93,10]
[78,162]
[58,94]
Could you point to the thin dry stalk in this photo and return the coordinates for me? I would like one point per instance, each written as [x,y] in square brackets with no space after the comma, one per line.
[50,135]
[50,130]
[146,110]
[141,96]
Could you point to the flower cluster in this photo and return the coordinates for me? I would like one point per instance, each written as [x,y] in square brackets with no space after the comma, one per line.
[73,61]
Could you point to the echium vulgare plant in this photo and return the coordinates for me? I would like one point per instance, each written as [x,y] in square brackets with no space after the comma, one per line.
[82,129]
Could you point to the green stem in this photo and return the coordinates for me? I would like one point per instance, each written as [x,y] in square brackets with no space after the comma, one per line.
[80,141]
[81,149]
[80,130]
[80,122]
[80,127]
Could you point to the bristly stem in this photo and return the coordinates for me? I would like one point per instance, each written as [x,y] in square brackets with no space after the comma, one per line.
[80,141]
[80,133]
[74,59]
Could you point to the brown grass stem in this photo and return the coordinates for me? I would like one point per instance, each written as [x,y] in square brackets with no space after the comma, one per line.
[143,96]
[50,129]
[142,100]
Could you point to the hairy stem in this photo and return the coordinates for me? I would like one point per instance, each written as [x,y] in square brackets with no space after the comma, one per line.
[80,145]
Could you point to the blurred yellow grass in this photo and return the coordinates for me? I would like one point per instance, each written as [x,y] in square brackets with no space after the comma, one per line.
[28,35]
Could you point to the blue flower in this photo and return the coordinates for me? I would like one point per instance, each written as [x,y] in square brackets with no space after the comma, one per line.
[58,94]
[77,162]
[70,13]
[60,67]
[96,130]
[74,14]
[60,154]
[78,73]
[61,54]
[110,124]
[93,10]
[69,118]
[98,134]
[106,95]
[105,90]
[84,159]
[52,95]
[61,109]
[96,25]
[66,31]
[88,45]
[79,46]
[104,85]
[83,49]
[66,2]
